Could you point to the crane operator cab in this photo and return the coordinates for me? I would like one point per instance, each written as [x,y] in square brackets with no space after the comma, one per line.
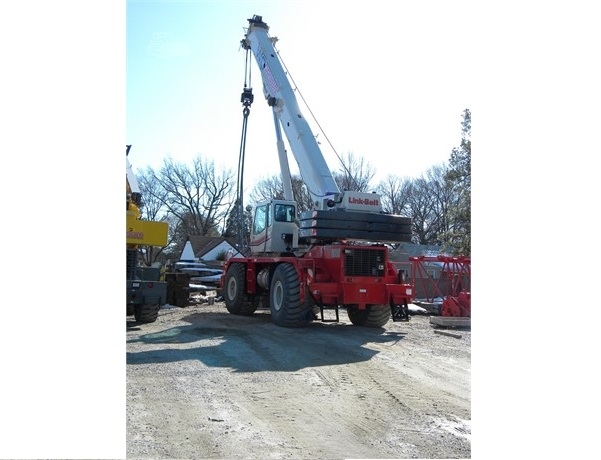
[274,229]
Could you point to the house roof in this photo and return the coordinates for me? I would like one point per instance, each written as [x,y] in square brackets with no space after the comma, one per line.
[203,244]
[406,250]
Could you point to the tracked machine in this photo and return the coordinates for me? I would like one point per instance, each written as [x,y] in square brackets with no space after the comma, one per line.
[335,255]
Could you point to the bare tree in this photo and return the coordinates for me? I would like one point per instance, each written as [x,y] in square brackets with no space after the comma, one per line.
[197,198]
[429,199]
[152,208]
[394,193]
[272,188]
[445,195]
[355,174]
[153,195]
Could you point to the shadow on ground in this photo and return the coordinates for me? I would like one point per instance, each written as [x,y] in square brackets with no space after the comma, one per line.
[254,343]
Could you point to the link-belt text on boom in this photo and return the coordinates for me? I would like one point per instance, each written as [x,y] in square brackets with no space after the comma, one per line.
[353,200]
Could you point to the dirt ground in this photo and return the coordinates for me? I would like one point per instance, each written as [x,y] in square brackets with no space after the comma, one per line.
[202,383]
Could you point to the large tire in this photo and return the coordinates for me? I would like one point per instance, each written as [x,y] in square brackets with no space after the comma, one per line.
[146,313]
[285,304]
[130,310]
[234,291]
[372,316]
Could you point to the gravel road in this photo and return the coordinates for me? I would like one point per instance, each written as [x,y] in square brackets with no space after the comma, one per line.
[202,383]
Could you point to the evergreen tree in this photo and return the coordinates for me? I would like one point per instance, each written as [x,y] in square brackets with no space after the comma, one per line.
[458,237]
[233,229]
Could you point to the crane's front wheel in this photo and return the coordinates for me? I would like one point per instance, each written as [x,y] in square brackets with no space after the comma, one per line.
[236,300]
[287,310]
[371,316]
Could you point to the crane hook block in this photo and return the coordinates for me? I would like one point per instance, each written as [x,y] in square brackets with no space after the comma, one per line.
[247,97]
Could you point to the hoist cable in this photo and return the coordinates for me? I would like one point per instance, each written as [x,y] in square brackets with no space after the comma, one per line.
[246,99]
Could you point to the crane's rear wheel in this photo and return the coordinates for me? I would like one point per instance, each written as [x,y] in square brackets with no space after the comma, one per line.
[371,316]
[146,313]
[287,310]
[236,301]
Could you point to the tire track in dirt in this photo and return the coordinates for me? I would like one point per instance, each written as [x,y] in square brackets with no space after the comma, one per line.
[220,386]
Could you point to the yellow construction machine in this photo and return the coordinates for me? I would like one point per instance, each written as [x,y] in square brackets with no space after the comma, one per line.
[146,292]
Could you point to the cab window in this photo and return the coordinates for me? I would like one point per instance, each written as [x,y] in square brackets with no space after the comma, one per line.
[284,213]
[261,216]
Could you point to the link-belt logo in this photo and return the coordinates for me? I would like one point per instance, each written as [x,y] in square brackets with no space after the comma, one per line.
[353,200]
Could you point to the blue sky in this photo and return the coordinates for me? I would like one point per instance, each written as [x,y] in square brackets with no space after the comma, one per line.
[386,81]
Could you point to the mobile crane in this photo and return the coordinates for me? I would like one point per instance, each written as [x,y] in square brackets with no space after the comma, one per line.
[146,292]
[333,256]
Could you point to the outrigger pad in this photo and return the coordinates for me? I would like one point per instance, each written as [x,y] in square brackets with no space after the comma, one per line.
[400,313]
